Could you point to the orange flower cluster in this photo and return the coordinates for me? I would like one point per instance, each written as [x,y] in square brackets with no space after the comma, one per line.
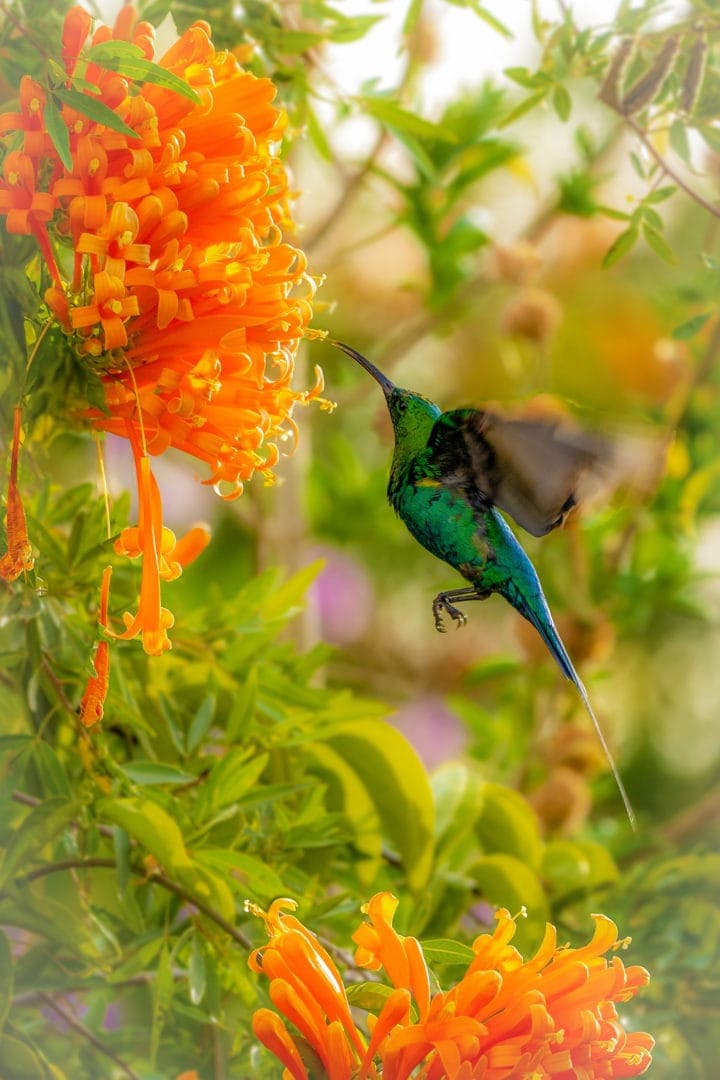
[507,1019]
[180,290]
[19,556]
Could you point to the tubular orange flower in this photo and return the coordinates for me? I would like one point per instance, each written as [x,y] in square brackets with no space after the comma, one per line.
[507,1019]
[183,295]
[19,557]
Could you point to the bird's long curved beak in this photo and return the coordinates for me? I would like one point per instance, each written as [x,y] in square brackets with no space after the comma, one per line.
[385,383]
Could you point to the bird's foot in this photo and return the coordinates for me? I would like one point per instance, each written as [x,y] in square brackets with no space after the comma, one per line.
[441,605]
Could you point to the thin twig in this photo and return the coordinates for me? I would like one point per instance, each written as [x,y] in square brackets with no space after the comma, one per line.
[712,208]
[346,195]
[25,799]
[76,863]
[230,930]
[145,978]
[80,863]
[702,816]
[75,1024]
[57,686]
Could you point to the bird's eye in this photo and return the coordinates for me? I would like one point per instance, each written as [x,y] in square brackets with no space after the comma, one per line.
[402,404]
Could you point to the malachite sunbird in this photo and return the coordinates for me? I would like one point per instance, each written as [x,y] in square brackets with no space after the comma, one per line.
[449,473]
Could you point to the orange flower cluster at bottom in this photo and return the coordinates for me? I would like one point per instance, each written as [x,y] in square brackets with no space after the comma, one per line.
[506,1019]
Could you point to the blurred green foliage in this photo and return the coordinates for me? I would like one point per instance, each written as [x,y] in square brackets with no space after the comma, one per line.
[254,760]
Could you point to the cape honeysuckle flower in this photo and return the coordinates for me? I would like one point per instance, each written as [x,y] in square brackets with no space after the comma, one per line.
[182,294]
[506,1019]
[19,556]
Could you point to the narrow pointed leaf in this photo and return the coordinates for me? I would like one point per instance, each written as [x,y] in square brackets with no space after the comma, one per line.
[128,60]
[96,110]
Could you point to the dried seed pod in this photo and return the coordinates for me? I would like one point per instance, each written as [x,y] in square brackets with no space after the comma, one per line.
[612,83]
[649,85]
[694,72]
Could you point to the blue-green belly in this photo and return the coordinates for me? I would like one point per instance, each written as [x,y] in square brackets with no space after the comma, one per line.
[446,525]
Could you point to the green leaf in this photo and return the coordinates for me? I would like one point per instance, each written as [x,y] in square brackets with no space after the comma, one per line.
[492,21]
[208,887]
[68,504]
[658,243]
[285,601]
[50,771]
[562,102]
[163,990]
[509,883]
[316,132]
[691,326]
[19,1061]
[121,844]
[96,110]
[638,165]
[147,773]
[7,978]
[200,723]
[401,120]
[446,951]
[370,996]
[128,60]
[603,868]
[352,28]
[508,824]
[412,16]
[230,778]
[529,80]
[458,801]
[347,794]
[398,785]
[524,106]
[621,245]
[679,141]
[660,194]
[243,707]
[35,831]
[565,868]
[247,870]
[58,132]
[151,826]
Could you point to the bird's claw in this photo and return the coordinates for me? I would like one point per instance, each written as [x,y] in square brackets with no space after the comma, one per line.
[440,605]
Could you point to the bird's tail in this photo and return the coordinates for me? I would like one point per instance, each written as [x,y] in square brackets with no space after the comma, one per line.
[542,620]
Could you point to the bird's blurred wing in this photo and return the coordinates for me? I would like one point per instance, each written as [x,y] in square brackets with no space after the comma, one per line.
[536,467]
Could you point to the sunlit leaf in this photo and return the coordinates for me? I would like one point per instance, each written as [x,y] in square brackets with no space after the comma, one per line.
[507,823]
[397,783]
[346,792]
[58,132]
[19,1060]
[96,110]
[36,830]
[690,327]
[621,246]
[507,882]
[658,243]
[151,826]
[162,994]
[155,772]
[446,951]
[401,120]
[127,59]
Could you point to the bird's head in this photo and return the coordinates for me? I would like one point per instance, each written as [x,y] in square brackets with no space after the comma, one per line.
[412,414]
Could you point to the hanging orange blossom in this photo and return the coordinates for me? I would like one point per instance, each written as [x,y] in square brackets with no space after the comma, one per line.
[181,293]
[507,1018]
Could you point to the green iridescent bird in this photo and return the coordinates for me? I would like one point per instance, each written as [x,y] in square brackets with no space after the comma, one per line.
[449,472]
